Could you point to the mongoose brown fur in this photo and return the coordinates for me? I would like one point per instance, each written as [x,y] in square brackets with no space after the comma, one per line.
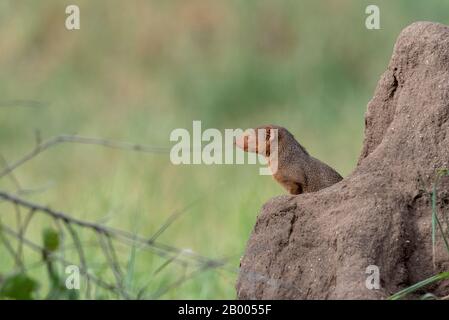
[297,171]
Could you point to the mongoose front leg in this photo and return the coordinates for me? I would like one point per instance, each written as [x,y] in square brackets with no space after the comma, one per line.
[292,187]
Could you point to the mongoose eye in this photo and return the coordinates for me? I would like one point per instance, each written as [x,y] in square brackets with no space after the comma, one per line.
[242,141]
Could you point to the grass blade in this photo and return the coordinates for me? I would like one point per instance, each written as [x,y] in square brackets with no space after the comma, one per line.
[401,294]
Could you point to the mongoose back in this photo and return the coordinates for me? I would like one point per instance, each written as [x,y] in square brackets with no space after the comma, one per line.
[297,171]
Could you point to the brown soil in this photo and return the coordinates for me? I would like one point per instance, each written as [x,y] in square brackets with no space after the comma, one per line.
[318,245]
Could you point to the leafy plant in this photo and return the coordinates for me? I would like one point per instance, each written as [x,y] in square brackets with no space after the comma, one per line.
[20,287]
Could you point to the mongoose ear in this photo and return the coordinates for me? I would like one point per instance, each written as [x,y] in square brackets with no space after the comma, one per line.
[269,138]
[270,135]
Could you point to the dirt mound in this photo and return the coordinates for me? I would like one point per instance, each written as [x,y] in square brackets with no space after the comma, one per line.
[319,245]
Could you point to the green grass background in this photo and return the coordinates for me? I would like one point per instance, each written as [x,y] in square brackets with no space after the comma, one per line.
[139,69]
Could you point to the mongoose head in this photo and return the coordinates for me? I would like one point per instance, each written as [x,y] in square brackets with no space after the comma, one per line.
[277,139]
[259,140]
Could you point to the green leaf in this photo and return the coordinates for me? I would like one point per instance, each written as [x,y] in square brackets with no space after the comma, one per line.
[51,239]
[401,294]
[19,287]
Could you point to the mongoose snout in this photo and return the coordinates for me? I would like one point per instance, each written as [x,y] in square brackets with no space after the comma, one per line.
[296,170]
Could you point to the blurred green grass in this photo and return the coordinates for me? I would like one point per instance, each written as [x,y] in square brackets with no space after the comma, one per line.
[139,69]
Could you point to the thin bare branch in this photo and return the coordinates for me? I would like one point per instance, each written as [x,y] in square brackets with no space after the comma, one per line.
[23,103]
[60,139]
[10,248]
[13,178]
[19,227]
[79,249]
[22,229]
[109,252]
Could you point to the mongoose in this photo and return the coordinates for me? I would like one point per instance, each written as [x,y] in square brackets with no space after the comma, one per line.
[297,171]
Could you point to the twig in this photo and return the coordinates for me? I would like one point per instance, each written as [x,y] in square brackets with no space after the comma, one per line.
[36,190]
[22,103]
[19,226]
[80,251]
[10,249]
[13,178]
[22,229]
[60,139]
[111,257]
